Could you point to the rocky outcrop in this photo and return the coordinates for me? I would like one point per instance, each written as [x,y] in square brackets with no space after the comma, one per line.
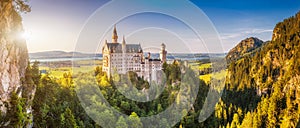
[13,56]
[244,47]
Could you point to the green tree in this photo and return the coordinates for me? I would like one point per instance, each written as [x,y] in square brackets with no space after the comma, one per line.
[68,120]
[134,121]
[35,72]
[16,114]
[121,123]
[235,122]
[164,123]
[108,118]
[247,121]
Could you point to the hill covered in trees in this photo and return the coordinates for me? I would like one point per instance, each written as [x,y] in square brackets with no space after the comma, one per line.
[263,89]
[247,46]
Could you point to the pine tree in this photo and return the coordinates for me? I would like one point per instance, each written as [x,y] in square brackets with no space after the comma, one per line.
[134,121]
[235,122]
[121,123]
[68,120]
[247,121]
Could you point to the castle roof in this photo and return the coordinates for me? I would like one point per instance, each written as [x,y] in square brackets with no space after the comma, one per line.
[135,48]
[130,48]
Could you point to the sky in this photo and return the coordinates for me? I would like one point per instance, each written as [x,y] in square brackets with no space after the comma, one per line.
[57,24]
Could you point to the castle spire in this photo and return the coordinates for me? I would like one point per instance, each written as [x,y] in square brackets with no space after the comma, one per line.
[123,42]
[124,45]
[115,35]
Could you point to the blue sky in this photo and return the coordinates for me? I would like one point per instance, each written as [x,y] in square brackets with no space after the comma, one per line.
[238,19]
[56,24]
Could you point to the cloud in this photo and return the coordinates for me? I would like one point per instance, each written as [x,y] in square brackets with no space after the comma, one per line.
[244,32]
[235,36]
[258,31]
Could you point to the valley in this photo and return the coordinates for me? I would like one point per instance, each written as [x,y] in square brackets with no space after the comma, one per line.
[255,85]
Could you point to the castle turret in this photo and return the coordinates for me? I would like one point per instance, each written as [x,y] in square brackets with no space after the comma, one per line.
[163,53]
[105,42]
[149,55]
[115,35]
[124,61]
[124,45]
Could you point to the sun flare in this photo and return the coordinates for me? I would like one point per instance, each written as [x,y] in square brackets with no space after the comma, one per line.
[26,35]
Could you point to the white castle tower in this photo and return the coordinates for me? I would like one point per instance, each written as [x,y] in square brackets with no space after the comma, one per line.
[163,53]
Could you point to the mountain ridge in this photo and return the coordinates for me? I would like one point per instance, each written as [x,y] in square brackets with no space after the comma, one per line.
[64,54]
[60,54]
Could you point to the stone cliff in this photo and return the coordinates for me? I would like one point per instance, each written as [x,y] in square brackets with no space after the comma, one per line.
[13,57]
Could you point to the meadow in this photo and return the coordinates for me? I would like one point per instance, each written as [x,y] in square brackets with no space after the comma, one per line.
[85,66]
[199,66]
[82,66]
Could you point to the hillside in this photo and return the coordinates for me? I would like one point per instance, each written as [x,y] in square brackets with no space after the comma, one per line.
[263,89]
[60,54]
[245,46]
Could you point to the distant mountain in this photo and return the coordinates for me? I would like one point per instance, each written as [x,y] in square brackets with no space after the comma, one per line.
[170,56]
[60,54]
[246,46]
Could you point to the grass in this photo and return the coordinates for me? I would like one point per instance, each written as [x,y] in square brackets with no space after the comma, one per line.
[88,62]
[218,75]
[89,65]
[207,77]
[83,69]
[58,72]
[203,66]
[199,66]
[81,66]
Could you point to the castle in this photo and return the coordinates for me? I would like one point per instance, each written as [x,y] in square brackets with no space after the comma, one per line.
[122,57]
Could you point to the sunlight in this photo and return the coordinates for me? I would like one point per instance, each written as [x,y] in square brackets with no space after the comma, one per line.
[26,35]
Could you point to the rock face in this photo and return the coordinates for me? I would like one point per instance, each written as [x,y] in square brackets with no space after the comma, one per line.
[245,46]
[13,55]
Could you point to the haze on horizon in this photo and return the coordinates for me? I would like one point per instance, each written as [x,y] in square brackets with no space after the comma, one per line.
[56,24]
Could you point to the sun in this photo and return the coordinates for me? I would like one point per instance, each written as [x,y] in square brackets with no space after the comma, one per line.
[26,35]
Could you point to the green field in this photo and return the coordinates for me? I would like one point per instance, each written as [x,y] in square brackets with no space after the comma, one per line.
[199,65]
[218,75]
[81,66]
[58,72]
[89,65]
[196,66]
[203,66]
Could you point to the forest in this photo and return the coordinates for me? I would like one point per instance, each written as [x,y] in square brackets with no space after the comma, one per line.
[261,90]
[56,103]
